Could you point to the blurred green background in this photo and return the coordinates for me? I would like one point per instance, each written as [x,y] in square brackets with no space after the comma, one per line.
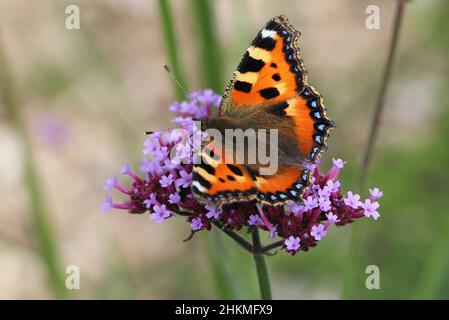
[74,105]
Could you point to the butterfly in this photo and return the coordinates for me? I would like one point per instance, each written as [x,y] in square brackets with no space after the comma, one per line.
[269,90]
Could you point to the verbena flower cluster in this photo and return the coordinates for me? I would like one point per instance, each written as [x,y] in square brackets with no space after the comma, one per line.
[162,188]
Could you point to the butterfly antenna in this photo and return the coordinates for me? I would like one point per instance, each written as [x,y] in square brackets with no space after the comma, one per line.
[178,83]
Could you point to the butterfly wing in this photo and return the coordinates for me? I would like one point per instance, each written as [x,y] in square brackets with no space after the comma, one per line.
[271,84]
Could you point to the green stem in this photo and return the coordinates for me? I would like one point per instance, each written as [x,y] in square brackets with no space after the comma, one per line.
[211,63]
[171,46]
[39,215]
[261,267]
[352,271]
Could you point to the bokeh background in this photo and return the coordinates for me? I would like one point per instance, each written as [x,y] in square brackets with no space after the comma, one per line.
[74,105]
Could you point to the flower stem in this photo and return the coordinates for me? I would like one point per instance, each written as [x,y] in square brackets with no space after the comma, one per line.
[352,270]
[41,223]
[261,267]
[171,45]
[400,4]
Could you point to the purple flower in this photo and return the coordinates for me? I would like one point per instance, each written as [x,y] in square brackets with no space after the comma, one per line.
[126,169]
[332,218]
[292,243]
[196,224]
[150,146]
[338,163]
[370,209]
[160,213]
[254,220]
[163,187]
[324,203]
[352,200]
[376,193]
[318,232]
[166,181]
[332,186]
[183,152]
[184,180]
[110,183]
[152,201]
[174,198]
[107,204]
[212,212]
[297,208]
[310,203]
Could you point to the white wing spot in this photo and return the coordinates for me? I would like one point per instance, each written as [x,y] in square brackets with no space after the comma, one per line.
[268,33]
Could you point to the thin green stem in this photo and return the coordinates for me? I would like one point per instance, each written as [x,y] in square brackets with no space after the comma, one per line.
[261,266]
[39,215]
[211,63]
[234,236]
[171,46]
[272,246]
[352,271]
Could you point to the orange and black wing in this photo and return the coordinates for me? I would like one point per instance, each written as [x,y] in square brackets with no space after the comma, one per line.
[271,73]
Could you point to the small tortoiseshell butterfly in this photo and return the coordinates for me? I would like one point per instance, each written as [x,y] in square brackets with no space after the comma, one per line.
[269,90]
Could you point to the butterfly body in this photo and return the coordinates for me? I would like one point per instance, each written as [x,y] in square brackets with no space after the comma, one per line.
[269,91]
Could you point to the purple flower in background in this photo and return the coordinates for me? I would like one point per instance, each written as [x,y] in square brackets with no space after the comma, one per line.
[51,129]
[163,189]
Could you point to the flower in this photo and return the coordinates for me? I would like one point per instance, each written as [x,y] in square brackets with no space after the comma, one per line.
[160,213]
[370,208]
[196,224]
[174,198]
[212,212]
[318,232]
[352,200]
[107,204]
[324,203]
[110,183]
[292,243]
[254,220]
[376,193]
[184,180]
[338,163]
[166,181]
[310,203]
[162,189]
[332,218]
